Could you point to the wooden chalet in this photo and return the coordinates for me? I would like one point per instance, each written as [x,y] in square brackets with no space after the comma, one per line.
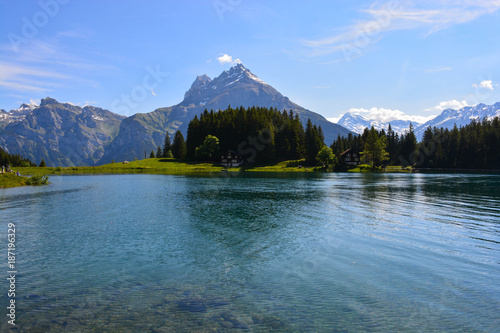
[231,159]
[350,157]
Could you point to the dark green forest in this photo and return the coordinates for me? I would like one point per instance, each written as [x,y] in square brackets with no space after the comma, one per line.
[14,160]
[266,135]
[260,135]
[474,146]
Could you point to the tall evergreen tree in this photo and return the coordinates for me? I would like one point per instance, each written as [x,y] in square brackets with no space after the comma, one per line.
[409,147]
[374,149]
[159,152]
[179,149]
[166,145]
[313,143]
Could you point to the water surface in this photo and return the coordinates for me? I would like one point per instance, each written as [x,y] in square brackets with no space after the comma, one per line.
[327,252]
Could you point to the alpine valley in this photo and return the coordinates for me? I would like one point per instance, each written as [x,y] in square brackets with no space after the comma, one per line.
[67,135]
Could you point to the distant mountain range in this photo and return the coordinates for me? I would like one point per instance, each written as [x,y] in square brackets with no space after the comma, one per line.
[357,123]
[447,119]
[67,135]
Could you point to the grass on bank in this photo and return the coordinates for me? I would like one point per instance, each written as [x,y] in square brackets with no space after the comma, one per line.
[162,166]
[9,179]
[176,167]
[391,168]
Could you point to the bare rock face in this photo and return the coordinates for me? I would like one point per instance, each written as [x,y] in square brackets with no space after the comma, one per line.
[60,133]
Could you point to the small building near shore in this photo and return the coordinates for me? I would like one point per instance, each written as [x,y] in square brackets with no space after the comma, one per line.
[231,159]
[350,157]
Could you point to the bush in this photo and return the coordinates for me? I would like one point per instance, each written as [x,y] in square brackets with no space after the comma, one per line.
[37,180]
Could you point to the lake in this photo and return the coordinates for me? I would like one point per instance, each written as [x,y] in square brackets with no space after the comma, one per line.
[304,252]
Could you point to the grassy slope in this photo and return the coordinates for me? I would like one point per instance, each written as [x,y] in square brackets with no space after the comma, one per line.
[10,179]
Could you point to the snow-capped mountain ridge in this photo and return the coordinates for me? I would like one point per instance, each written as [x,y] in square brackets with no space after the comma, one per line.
[451,117]
[16,115]
[447,119]
[357,123]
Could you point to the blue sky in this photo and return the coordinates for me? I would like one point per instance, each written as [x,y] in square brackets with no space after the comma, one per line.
[395,59]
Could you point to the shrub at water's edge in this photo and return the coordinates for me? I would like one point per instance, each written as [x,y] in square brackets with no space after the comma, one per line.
[37,180]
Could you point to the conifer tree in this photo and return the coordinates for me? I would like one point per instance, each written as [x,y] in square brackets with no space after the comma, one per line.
[179,149]
[166,145]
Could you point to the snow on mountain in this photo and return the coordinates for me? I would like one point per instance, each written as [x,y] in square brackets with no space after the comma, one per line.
[449,117]
[16,115]
[357,120]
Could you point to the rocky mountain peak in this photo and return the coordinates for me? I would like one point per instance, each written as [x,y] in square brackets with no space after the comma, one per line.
[199,84]
[48,101]
[201,80]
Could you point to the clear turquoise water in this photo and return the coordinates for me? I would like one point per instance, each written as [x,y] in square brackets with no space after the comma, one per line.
[323,253]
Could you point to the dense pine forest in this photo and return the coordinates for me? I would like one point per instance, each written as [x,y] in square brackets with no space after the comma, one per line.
[14,160]
[260,135]
[474,146]
[266,135]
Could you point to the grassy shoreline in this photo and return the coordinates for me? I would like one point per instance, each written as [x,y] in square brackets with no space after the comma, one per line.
[176,167]
[159,166]
[9,179]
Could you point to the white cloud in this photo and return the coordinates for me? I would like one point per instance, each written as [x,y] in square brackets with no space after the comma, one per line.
[388,115]
[353,40]
[335,119]
[153,92]
[487,84]
[225,59]
[453,104]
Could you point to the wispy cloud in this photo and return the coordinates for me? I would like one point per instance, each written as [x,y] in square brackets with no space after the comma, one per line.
[41,66]
[27,78]
[435,70]
[354,40]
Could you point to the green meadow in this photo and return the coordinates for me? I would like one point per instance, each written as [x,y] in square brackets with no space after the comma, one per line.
[162,166]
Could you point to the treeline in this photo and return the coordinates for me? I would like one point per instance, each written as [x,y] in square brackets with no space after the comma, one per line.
[14,160]
[474,146]
[260,135]
[401,148]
